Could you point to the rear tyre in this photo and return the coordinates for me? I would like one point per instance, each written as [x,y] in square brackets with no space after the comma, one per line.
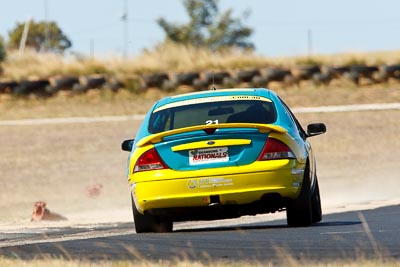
[316,204]
[145,223]
[299,211]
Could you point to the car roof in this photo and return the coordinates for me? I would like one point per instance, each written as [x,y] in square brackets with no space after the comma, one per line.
[282,119]
[262,92]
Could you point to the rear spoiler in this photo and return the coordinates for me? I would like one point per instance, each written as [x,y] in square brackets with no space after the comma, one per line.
[158,137]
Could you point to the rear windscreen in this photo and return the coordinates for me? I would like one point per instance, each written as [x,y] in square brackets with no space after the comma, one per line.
[244,111]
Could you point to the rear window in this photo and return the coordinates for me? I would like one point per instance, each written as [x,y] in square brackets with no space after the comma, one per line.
[243,111]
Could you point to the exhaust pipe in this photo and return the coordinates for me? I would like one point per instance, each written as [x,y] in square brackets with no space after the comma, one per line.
[214,201]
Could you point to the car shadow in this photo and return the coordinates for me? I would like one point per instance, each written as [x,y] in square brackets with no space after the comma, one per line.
[259,226]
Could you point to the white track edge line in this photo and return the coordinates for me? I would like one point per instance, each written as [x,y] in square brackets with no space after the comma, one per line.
[299,110]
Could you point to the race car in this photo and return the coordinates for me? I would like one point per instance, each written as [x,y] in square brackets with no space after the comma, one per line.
[221,154]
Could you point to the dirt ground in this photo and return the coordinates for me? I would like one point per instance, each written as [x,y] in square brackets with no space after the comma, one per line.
[357,165]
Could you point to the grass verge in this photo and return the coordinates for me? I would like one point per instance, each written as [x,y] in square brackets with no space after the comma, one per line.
[171,58]
[186,263]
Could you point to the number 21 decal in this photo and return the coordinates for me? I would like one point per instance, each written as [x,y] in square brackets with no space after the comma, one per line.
[208,122]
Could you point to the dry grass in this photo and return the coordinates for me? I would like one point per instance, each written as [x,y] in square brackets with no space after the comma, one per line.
[33,65]
[170,58]
[370,58]
[93,103]
[75,263]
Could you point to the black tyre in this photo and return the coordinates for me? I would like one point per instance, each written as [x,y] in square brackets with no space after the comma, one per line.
[37,87]
[275,74]
[186,78]
[114,84]
[306,72]
[63,82]
[353,76]
[393,71]
[316,204]
[229,82]
[289,80]
[246,76]
[145,223]
[199,84]
[216,77]
[321,78]
[364,71]
[7,87]
[169,86]
[259,81]
[95,81]
[155,79]
[299,211]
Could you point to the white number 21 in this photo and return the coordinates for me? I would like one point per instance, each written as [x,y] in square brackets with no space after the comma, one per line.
[208,122]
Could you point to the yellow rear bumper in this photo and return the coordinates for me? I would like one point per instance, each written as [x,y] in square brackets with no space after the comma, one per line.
[172,189]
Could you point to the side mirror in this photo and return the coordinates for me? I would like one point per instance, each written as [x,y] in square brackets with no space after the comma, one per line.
[127,145]
[315,129]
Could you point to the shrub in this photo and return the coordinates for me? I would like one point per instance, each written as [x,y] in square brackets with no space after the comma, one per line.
[2,50]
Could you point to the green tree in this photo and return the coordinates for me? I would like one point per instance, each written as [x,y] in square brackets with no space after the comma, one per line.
[2,49]
[42,36]
[208,27]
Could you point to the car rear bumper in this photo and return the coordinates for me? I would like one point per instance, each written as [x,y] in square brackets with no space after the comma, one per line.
[220,189]
[268,203]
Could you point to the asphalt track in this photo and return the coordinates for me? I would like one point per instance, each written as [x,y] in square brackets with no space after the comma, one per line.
[350,235]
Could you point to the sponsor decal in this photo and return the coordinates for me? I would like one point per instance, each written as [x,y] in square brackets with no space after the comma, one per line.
[296,184]
[211,100]
[298,173]
[214,182]
[209,182]
[192,184]
[210,155]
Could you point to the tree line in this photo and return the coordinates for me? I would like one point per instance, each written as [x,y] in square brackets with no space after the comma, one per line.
[207,27]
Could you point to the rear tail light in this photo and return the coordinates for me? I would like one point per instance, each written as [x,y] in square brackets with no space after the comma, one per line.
[149,161]
[275,149]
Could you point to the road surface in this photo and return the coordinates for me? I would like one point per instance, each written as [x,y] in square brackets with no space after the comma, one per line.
[366,234]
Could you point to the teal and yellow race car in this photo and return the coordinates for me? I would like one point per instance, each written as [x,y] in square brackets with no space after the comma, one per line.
[222,154]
